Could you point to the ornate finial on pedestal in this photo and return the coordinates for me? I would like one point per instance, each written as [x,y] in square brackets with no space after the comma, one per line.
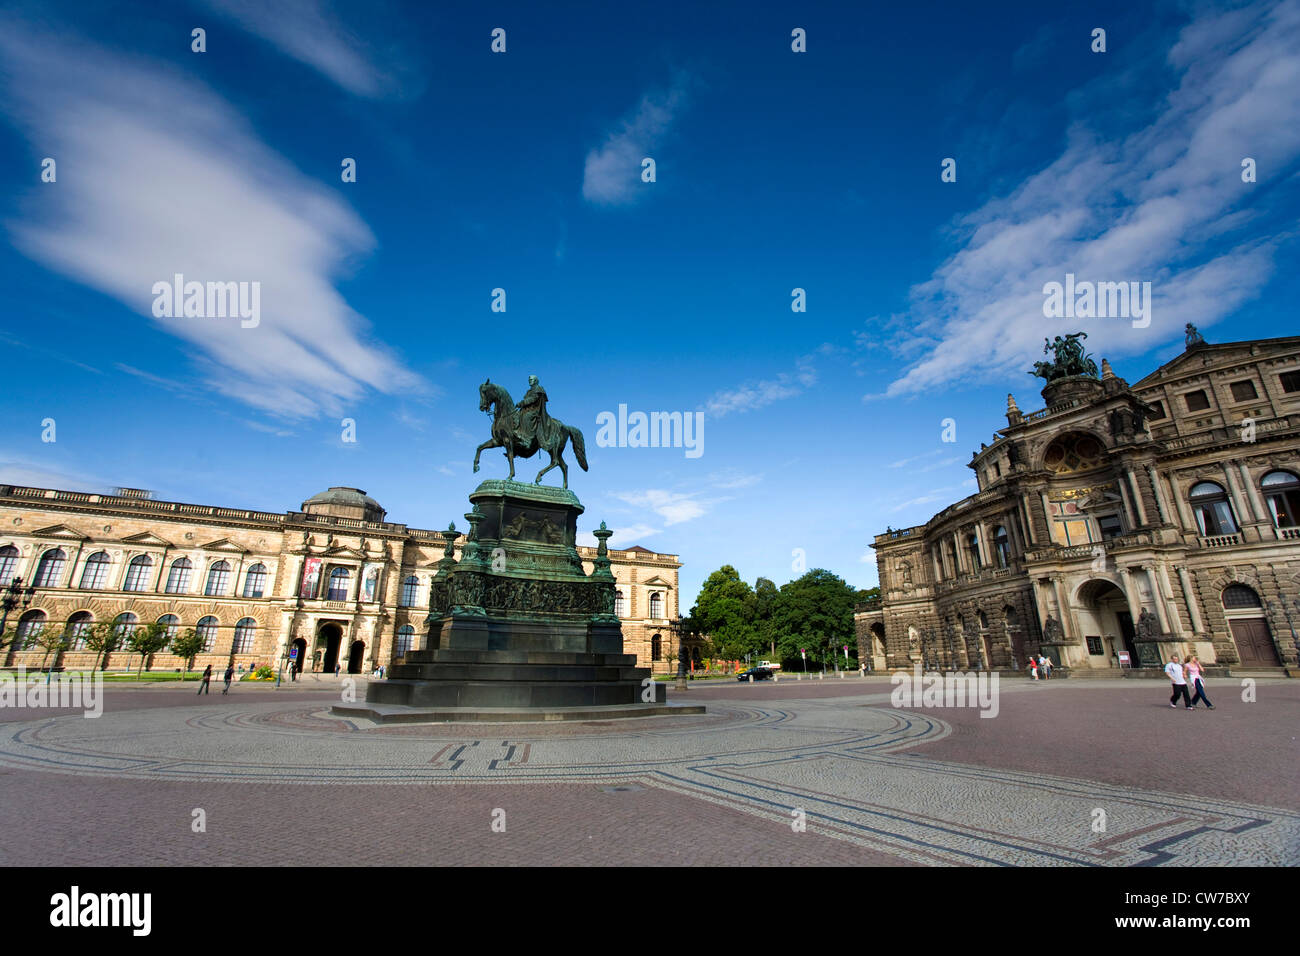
[602,535]
[471,553]
[601,570]
[1106,371]
[1014,417]
[1193,337]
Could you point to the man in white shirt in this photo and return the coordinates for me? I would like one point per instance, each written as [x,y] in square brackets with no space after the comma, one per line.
[1175,672]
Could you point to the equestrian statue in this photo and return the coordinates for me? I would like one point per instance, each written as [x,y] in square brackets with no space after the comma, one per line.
[525,429]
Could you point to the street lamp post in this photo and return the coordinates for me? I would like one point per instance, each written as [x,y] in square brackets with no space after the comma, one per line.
[12,597]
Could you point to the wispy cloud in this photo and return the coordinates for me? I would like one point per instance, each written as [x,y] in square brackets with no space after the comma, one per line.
[907,461]
[1163,204]
[169,179]
[312,33]
[673,506]
[612,173]
[18,469]
[754,395]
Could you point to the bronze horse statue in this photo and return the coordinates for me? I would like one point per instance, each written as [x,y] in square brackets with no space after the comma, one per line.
[551,434]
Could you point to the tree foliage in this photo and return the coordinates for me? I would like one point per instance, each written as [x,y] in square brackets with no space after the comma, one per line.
[187,645]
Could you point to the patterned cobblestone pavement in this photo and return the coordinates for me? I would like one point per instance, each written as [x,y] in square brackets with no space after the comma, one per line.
[283,781]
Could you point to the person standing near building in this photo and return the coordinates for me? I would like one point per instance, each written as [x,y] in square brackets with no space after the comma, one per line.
[1175,672]
[1045,663]
[230,675]
[1194,672]
[1033,667]
[205,680]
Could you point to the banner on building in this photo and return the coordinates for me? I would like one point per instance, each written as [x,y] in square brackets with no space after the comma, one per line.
[310,577]
[369,583]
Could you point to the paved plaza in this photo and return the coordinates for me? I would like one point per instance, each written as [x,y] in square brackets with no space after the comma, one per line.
[1070,772]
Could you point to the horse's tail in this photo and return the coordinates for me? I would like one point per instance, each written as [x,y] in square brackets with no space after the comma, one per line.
[579,449]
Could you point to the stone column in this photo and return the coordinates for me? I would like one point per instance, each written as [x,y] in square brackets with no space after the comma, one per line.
[1067,619]
[1161,506]
[1047,516]
[1157,600]
[1252,495]
[1189,595]
[1131,595]
[1170,605]
[1029,529]
[1240,508]
[1130,512]
[1137,495]
[957,557]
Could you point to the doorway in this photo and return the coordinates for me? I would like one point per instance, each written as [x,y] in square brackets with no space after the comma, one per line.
[301,646]
[355,657]
[332,636]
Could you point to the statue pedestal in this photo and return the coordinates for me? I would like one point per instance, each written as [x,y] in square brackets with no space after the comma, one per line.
[516,622]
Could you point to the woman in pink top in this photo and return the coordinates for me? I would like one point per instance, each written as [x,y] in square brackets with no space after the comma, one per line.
[1194,671]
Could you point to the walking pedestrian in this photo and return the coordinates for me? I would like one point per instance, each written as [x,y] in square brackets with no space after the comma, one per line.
[1175,672]
[1033,667]
[230,675]
[338,666]
[1046,664]
[1194,672]
[205,680]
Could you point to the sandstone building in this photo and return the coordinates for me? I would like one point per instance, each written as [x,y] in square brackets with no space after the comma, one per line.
[335,579]
[1143,520]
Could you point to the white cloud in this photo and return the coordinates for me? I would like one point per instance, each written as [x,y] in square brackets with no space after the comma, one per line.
[1158,205]
[310,33]
[21,470]
[758,394]
[674,507]
[158,176]
[612,173]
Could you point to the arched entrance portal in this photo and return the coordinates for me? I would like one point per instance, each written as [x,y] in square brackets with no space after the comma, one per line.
[301,646]
[1249,627]
[355,656]
[1107,624]
[329,637]
[876,660]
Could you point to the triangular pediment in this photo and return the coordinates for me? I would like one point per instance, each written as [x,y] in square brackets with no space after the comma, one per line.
[147,538]
[224,544]
[656,581]
[343,551]
[60,531]
[1201,357]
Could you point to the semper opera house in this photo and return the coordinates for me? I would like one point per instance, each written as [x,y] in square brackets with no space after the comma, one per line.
[336,580]
[1116,526]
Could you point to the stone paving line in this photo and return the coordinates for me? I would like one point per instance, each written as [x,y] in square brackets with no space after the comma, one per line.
[918,786]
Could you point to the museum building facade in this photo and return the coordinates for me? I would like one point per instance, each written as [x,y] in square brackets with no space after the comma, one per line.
[336,580]
[1116,526]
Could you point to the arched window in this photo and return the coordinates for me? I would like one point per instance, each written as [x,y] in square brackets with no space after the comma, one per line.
[29,625]
[340,578]
[8,561]
[95,572]
[78,626]
[178,578]
[410,591]
[218,578]
[983,619]
[137,573]
[1002,547]
[620,604]
[50,570]
[405,635]
[1239,596]
[245,631]
[656,647]
[1281,489]
[950,550]
[1011,616]
[255,581]
[973,547]
[1212,509]
[656,605]
[207,629]
[172,623]
[124,626]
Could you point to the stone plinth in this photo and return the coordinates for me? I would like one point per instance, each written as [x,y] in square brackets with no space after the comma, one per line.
[517,622]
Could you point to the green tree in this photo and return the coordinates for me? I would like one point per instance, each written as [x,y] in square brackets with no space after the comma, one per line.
[146,639]
[53,640]
[187,645]
[102,638]
[815,611]
[766,595]
[725,611]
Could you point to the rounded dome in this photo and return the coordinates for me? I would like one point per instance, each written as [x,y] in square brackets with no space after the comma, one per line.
[348,502]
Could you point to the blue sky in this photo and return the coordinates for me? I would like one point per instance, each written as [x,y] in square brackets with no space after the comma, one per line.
[520,170]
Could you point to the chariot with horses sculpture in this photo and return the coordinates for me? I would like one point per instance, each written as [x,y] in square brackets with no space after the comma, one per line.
[525,429]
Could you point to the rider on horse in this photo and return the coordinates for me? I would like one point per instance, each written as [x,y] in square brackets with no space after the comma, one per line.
[534,423]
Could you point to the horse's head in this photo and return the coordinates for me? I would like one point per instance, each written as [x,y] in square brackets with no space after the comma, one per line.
[484,397]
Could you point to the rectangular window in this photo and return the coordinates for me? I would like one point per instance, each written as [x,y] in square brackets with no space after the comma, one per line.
[1290,381]
[1197,401]
[1157,411]
[1109,526]
[1094,645]
[1244,391]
